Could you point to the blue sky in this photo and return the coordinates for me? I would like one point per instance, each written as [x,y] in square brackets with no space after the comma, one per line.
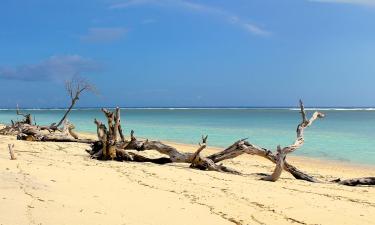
[189,52]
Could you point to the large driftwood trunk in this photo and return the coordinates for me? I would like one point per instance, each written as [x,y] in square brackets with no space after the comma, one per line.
[195,159]
[111,147]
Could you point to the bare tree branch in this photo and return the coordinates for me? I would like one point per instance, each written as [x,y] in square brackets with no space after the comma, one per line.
[74,87]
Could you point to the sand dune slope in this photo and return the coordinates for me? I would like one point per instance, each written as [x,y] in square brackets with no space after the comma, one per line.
[57,183]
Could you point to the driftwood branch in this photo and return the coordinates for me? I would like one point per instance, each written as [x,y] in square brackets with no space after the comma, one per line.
[281,153]
[74,87]
[112,148]
[194,159]
[356,181]
[11,152]
[28,118]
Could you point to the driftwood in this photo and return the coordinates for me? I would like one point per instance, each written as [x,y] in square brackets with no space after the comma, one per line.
[28,132]
[194,159]
[34,133]
[11,152]
[25,130]
[281,153]
[28,119]
[111,147]
[356,181]
[75,87]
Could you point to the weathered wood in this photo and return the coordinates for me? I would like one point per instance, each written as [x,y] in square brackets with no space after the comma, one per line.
[68,129]
[196,158]
[109,142]
[34,133]
[281,153]
[75,87]
[356,181]
[28,119]
[110,138]
[11,152]
[280,157]
[241,147]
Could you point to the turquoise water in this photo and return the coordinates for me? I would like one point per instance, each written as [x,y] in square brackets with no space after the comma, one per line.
[345,135]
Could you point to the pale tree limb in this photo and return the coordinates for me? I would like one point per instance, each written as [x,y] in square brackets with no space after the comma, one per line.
[281,153]
[68,129]
[11,152]
[196,159]
[280,157]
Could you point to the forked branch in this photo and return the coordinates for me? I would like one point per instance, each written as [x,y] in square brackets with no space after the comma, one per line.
[74,87]
[282,153]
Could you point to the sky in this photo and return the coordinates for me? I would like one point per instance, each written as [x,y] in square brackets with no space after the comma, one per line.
[176,53]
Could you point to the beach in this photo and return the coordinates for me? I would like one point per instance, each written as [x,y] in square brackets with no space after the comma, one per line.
[187,112]
[58,183]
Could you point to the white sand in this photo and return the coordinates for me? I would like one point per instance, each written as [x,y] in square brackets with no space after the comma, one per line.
[57,183]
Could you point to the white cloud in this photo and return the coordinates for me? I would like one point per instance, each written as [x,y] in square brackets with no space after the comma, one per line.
[55,68]
[227,16]
[103,34]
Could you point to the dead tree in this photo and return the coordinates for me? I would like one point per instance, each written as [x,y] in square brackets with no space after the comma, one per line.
[109,147]
[75,87]
[25,130]
[28,119]
[109,144]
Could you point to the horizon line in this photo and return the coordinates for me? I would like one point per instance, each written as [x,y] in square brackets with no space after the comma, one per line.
[194,107]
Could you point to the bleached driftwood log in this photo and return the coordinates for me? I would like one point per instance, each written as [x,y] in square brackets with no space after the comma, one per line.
[356,181]
[111,147]
[195,159]
[35,133]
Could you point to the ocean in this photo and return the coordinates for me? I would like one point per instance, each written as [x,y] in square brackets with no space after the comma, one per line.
[346,135]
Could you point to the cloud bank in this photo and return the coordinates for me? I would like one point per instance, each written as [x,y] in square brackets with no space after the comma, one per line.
[55,68]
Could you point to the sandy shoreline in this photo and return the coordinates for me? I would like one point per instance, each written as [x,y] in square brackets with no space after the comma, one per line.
[57,183]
